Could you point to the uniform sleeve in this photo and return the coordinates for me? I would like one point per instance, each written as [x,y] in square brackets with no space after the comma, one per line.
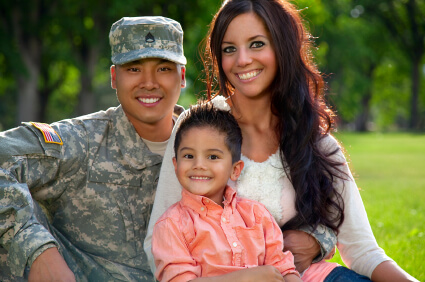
[356,243]
[168,192]
[25,164]
[283,261]
[172,258]
[325,237]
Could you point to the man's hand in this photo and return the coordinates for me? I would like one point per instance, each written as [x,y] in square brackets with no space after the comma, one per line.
[303,246]
[50,266]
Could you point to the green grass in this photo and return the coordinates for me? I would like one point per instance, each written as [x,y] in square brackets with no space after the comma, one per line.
[390,173]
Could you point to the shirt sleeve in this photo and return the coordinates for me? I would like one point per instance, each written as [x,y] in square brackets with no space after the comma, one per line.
[356,243]
[283,261]
[165,196]
[24,163]
[172,257]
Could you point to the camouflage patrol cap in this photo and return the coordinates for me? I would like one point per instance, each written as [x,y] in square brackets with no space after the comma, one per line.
[134,38]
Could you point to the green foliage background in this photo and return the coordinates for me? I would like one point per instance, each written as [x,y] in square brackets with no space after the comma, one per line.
[388,169]
[367,64]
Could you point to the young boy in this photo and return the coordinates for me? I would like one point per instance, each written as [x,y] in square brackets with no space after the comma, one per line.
[211,231]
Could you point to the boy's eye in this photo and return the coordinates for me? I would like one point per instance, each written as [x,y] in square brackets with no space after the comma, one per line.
[213,157]
[133,69]
[257,44]
[229,49]
[188,156]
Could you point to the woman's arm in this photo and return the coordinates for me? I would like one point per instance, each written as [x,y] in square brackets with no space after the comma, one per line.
[168,192]
[356,242]
[390,271]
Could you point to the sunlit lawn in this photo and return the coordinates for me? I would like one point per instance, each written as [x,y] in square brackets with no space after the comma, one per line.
[390,171]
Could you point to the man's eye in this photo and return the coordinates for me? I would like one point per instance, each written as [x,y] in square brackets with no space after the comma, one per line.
[229,49]
[257,44]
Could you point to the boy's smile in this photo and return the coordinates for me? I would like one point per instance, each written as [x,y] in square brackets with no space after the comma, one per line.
[203,163]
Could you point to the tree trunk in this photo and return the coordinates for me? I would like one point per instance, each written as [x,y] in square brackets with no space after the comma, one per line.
[363,116]
[414,101]
[30,49]
[86,99]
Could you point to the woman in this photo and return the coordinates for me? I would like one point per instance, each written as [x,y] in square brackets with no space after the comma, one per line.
[259,53]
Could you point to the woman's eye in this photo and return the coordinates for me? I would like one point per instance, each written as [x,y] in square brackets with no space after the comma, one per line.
[257,44]
[229,49]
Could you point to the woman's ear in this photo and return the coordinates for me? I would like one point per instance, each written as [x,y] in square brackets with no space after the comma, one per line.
[183,73]
[113,77]
[237,169]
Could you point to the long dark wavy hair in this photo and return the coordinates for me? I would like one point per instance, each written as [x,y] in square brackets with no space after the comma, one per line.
[304,118]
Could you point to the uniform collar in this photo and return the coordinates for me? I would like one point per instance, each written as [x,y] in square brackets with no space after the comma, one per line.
[203,205]
[134,150]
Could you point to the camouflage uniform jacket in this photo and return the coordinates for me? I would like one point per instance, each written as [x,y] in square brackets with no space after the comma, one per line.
[98,189]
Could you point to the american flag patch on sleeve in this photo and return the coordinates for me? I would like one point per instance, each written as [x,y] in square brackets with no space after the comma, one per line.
[50,135]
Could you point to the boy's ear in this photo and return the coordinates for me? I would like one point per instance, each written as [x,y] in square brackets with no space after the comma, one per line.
[237,169]
[175,164]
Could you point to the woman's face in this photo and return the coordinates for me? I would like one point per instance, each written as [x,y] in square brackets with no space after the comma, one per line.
[248,57]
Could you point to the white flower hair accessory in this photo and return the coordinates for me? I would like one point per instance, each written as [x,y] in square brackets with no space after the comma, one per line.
[219,102]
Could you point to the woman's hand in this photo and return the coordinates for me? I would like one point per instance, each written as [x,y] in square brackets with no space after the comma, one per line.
[303,246]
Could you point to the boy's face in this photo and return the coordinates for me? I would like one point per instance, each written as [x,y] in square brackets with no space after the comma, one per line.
[203,163]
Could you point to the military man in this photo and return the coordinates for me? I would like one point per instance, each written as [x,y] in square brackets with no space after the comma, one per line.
[76,195]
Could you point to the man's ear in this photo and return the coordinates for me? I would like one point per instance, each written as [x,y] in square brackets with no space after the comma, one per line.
[113,77]
[237,169]
[183,73]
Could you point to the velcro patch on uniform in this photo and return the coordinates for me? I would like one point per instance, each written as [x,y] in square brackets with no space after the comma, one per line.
[50,135]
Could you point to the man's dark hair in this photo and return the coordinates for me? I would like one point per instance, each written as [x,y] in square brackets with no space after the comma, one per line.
[206,115]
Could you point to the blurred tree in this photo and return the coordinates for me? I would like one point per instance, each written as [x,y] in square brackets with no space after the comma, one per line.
[25,25]
[46,43]
[405,22]
[351,57]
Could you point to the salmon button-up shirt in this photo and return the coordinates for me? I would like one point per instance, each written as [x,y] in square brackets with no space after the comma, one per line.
[198,238]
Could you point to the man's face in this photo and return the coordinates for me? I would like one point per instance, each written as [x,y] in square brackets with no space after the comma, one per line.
[148,89]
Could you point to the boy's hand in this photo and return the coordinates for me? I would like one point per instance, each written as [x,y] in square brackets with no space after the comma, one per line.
[263,273]
[50,266]
[267,273]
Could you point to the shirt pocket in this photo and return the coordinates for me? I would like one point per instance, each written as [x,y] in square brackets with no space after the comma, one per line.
[252,240]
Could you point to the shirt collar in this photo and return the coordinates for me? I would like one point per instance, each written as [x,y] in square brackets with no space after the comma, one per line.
[203,205]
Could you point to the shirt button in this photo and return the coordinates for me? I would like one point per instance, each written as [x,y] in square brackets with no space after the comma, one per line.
[223,219]
[235,244]
[207,201]
[202,208]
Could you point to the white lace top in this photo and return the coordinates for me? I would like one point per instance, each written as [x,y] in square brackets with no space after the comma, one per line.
[263,182]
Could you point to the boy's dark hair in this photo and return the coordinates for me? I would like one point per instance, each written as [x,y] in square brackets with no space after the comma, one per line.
[206,115]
